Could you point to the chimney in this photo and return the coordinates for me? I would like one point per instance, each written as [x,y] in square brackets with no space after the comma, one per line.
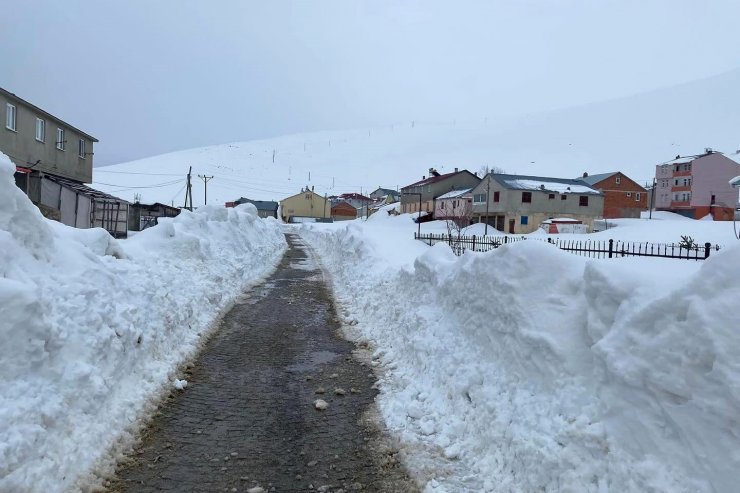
[455,170]
[708,150]
[431,171]
[585,174]
[423,177]
[312,188]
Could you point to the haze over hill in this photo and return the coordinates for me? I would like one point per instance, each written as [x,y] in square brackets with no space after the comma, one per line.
[629,134]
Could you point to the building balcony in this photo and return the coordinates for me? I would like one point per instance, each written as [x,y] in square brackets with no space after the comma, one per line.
[681,173]
[681,188]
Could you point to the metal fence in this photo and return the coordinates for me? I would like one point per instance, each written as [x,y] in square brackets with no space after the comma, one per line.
[588,248]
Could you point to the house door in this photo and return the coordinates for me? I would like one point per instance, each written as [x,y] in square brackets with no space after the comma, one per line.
[500,223]
[512,222]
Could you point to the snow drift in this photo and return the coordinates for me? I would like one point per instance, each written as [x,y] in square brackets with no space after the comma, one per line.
[93,328]
[531,369]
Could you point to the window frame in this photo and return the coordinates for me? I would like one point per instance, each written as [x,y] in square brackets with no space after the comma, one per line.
[563,196]
[40,130]
[619,180]
[629,194]
[583,200]
[81,149]
[60,139]
[551,196]
[526,197]
[637,196]
[497,196]
[11,109]
[524,220]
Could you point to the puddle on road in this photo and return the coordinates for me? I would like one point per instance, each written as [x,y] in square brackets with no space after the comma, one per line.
[314,359]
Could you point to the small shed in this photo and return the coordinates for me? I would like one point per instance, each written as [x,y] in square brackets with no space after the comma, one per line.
[563,225]
[343,211]
[77,205]
[142,216]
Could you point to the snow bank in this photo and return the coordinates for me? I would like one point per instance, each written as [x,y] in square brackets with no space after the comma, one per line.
[93,328]
[532,369]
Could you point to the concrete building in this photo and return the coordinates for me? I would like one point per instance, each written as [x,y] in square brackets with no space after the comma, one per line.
[456,205]
[429,188]
[695,186]
[306,205]
[517,204]
[39,141]
[53,161]
[623,197]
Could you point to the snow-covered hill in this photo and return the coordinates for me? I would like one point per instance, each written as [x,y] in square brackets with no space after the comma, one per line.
[630,134]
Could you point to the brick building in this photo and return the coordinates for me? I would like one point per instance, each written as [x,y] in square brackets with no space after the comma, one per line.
[623,197]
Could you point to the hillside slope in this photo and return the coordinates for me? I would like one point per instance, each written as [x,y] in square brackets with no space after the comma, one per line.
[630,134]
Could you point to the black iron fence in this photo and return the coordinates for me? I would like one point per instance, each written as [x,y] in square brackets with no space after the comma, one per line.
[587,248]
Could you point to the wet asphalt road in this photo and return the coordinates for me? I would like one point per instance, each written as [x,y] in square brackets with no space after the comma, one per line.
[247,418]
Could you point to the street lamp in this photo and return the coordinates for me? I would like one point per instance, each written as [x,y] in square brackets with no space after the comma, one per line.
[418,220]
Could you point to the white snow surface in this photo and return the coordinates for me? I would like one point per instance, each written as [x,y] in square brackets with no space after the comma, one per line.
[532,369]
[93,329]
[550,186]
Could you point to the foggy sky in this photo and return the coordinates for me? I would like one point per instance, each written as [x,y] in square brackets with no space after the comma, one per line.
[147,77]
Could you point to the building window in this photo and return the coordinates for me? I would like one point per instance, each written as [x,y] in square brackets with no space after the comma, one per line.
[583,200]
[526,197]
[563,197]
[479,198]
[496,196]
[551,196]
[10,117]
[60,139]
[40,130]
[524,220]
[637,196]
[619,180]
[81,150]
[629,194]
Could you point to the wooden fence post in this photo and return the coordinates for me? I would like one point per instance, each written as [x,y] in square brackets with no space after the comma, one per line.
[611,247]
[474,243]
[707,249]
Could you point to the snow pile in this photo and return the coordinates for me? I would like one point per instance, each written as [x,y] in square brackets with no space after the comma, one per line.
[93,328]
[532,369]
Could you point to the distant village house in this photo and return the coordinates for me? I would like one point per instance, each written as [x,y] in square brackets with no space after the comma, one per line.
[623,197]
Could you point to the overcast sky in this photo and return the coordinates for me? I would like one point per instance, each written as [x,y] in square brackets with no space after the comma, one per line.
[147,77]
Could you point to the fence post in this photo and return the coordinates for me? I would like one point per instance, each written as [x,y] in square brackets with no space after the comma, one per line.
[506,239]
[549,240]
[707,249]
[611,247]
[473,243]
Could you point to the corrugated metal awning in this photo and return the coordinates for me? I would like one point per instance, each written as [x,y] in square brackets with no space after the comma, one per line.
[19,169]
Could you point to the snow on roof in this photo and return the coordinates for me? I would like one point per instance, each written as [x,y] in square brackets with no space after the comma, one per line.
[594,179]
[454,193]
[545,184]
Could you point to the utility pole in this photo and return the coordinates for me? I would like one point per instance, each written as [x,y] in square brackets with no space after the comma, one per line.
[205,185]
[189,191]
[652,200]
[273,156]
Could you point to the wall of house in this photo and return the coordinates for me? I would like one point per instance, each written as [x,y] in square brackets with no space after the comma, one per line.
[305,204]
[710,176]
[621,199]
[450,208]
[24,150]
[663,184]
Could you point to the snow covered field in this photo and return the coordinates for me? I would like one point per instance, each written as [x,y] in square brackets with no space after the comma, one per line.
[531,369]
[93,329]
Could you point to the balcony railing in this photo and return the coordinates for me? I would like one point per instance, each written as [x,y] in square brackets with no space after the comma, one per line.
[676,203]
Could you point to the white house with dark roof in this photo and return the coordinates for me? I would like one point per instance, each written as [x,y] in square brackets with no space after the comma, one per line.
[517,204]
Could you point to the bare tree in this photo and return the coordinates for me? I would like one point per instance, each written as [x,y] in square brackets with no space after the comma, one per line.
[484,170]
[458,215]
